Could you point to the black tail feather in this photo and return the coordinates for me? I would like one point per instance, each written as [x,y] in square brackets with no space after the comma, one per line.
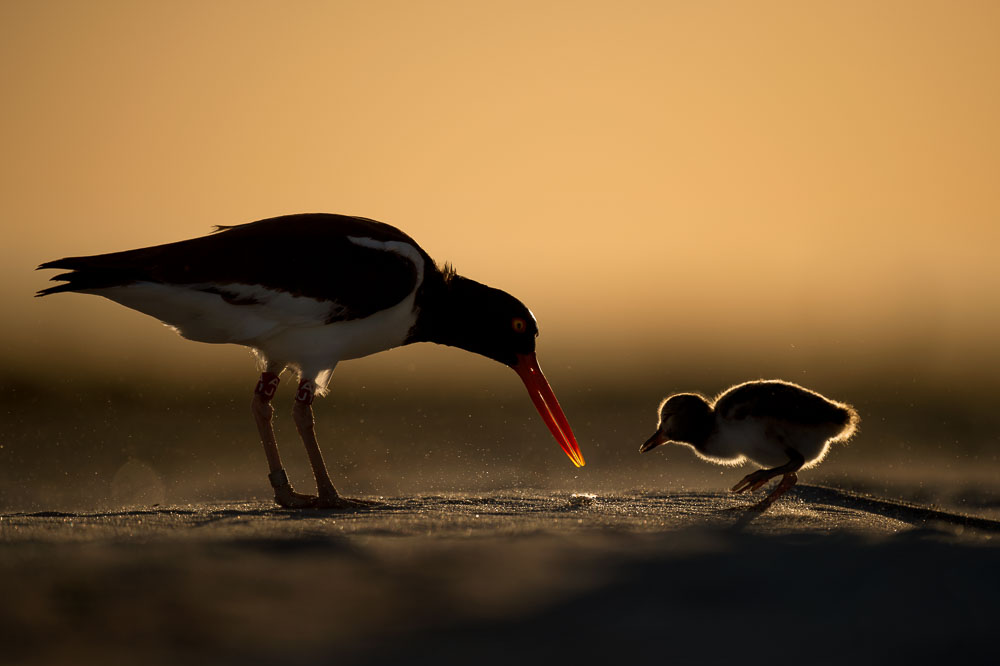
[65,262]
[84,275]
[55,290]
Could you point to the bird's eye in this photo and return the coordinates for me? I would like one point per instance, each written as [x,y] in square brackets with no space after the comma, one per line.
[518,324]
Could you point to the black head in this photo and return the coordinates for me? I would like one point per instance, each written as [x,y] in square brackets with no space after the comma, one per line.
[463,313]
[480,319]
[684,417]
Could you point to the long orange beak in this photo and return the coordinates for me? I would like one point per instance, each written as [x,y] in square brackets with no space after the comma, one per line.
[547,405]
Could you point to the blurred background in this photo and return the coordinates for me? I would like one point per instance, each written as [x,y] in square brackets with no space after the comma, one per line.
[687,195]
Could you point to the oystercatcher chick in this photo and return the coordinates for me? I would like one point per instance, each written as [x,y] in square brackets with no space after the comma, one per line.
[306,292]
[776,424]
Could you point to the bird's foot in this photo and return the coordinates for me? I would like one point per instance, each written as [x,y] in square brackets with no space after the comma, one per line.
[330,499]
[753,481]
[288,498]
[757,508]
[761,506]
[284,495]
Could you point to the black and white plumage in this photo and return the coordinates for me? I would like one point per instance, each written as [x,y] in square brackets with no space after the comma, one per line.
[307,291]
[776,424]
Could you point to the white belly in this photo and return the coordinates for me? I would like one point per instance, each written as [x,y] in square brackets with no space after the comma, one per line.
[764,442]
[285,328]
[316,348]
[206,317]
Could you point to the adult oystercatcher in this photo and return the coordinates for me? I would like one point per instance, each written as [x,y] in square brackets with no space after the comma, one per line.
[771,422]
[305,292]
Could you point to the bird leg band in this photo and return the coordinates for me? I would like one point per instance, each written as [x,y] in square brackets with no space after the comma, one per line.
[266,386]
[306,392]
[278,478]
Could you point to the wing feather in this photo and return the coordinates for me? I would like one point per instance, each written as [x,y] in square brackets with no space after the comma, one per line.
[782,401]
[302,255]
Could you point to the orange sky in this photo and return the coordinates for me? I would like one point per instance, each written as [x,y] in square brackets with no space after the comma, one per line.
[657,180]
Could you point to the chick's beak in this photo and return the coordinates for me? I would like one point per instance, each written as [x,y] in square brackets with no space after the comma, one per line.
[653,442]
[547,405]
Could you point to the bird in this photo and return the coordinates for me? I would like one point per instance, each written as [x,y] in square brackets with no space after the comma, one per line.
[309,290]
[779,425]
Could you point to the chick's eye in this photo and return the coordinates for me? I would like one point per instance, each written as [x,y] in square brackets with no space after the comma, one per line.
[518,325]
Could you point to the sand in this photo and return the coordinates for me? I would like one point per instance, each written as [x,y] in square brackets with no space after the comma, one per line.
[824,577]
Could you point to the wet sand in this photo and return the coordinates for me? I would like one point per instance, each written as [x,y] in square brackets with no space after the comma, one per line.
[503,578]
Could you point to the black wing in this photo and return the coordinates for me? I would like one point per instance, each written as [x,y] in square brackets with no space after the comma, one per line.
[304,255]
[780,400]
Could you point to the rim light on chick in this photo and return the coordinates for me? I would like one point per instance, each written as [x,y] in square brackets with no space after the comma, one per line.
[776,424]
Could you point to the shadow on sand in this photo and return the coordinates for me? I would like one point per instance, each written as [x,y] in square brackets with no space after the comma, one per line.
[825,576]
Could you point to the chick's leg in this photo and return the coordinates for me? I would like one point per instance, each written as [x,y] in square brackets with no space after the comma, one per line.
[787,481]
[755,480]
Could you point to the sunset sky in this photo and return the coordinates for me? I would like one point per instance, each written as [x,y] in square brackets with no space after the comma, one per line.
[793,185]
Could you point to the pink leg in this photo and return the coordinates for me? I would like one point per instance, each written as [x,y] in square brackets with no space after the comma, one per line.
[755,480]
[263,412]
[787,481]
[302,412]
